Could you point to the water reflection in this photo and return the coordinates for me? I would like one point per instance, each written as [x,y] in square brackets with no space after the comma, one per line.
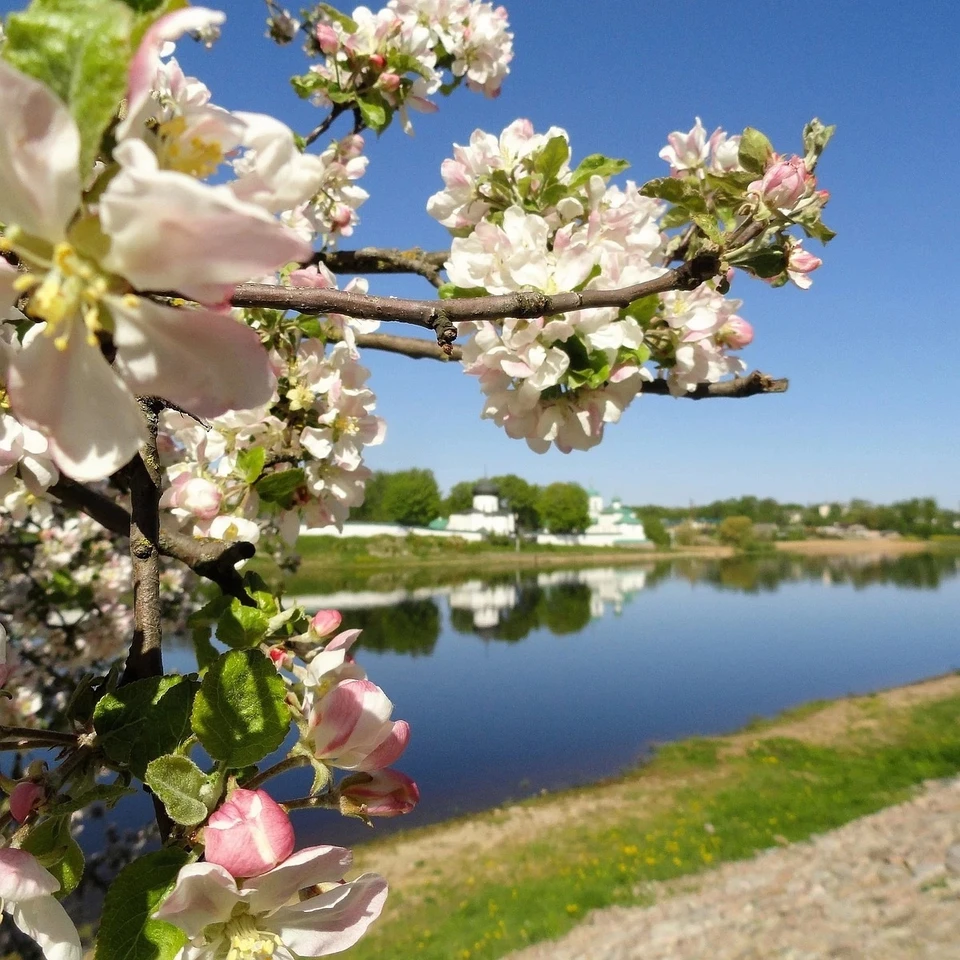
[509,606]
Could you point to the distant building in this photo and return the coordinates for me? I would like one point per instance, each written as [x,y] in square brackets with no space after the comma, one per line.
[613,526]
[488,516]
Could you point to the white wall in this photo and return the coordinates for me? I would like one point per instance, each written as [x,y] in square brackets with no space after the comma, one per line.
[385,530]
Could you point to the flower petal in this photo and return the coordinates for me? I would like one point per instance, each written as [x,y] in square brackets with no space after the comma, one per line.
[73,396]
[203,894]
[45,921]
[39,157]
[333,921]
[306,867]
[205,362]
[22,877]
[168,231]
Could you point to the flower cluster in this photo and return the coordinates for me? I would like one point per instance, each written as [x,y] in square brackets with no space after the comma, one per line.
[560,380]
[388,61]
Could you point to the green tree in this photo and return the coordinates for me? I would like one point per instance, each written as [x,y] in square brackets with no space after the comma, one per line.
[563,508]
[654,529]
[736,531]
[411,497]
[522,498]
[371,510]
[460,498]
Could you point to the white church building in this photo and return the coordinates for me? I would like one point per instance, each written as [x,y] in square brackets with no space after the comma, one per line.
[488,516]
[613,526]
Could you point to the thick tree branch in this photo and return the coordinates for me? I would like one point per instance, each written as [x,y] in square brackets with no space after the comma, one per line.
[425,263]
[143,475]
[439,315]
[748,386]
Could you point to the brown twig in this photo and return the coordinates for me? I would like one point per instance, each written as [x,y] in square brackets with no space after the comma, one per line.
[439,314]
[426,263]
[419,349]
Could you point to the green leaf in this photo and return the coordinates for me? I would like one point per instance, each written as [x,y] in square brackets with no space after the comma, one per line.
[767,263]
[178,782]
[450,291]
[250,463]
[596,164]
[674,217]
[240,714]
[280,486]
[755,151]
[144,719]
[644,309]
[209,612]
[51,843]
[350,26]
[241,627]
[815,137]
[127,931]
[205,652]
[374,111]
[105,793]
[709,226]
[665,188]
[552,157]
[81,50]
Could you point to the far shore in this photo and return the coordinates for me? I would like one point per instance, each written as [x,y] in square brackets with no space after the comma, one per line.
[505,558]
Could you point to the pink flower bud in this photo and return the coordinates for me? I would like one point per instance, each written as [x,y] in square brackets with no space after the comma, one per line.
[389,82]
[351,727]
[388,793]
[327,38]
[201,497]
[25,796]
[342,216]
[378,61]
[249,835]
[735,333]
[325,622]
[801,263]
[785,183]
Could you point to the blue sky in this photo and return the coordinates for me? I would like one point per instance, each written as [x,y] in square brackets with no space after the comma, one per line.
[869,350]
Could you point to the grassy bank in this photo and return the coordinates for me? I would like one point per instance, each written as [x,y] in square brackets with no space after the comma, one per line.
[483,886]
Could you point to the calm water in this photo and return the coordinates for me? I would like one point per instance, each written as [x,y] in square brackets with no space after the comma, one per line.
[529,682]
[526,682]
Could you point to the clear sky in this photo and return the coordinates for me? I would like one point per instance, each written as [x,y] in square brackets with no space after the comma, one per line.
[869,350]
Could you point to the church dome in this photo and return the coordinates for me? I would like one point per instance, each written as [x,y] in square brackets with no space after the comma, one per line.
[486,488]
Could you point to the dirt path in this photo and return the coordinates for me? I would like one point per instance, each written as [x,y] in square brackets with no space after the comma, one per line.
[421,857]
[884,887]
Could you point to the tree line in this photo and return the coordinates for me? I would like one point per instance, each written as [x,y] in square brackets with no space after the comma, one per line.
[412,497]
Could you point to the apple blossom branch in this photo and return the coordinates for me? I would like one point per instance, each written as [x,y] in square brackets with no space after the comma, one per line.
[751,385]
[425,263]
[212,559]
[439,315]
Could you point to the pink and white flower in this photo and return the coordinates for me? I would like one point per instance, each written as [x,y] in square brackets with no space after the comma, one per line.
[276,914]
[166,232]
[800,264]
[26,893]
[350,727]
[385,793]
[784,183]
[249,834]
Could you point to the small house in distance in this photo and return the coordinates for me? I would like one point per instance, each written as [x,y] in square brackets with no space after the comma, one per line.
[613,526]
[488,516]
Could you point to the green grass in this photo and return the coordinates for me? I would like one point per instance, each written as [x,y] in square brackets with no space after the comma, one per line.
[781,789]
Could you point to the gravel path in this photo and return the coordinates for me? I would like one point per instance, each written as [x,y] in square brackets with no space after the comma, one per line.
[886,887]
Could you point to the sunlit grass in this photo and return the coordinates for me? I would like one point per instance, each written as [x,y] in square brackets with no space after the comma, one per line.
[779,790]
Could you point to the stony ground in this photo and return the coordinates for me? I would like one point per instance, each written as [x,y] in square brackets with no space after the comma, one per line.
[886,887]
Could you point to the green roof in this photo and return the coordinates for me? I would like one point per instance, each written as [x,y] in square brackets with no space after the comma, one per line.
[439,524]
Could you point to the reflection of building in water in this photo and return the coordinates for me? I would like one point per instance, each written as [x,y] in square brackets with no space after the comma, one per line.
[488,515]
[612,526]
[485,602]
[607,585]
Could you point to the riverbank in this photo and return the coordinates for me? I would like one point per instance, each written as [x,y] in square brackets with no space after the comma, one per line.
[323,557]
[485,885]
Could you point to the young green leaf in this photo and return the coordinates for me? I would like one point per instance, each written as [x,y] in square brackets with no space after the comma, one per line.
[240,713]
[755,151]
[81,49]
[179,783]
[126,927]
[596,164]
